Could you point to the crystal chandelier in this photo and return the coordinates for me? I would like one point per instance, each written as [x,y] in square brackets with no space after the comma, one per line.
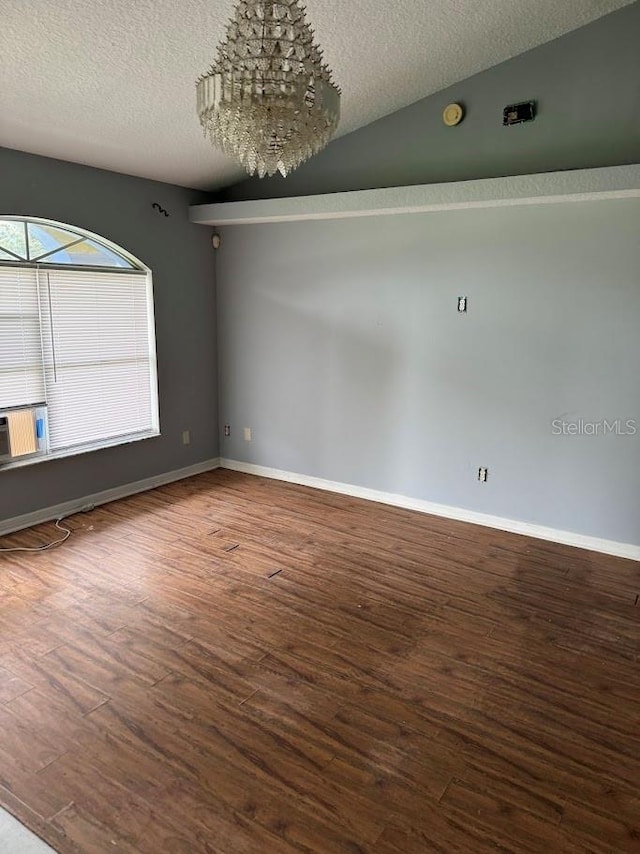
[269,100]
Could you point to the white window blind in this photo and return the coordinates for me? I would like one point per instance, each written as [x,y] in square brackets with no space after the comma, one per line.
[21,373]
[99,355]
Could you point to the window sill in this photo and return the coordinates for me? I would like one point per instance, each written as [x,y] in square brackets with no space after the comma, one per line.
[78,449]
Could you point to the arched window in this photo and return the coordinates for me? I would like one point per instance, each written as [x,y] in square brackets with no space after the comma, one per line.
[77,342]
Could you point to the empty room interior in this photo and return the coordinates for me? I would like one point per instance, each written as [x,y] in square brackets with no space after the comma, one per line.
[320,427]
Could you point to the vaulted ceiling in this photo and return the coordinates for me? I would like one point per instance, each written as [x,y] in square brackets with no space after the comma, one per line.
[111,83]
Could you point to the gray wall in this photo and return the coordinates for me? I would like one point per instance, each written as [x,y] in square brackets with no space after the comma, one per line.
[180,255]
[586,83]
[341,347]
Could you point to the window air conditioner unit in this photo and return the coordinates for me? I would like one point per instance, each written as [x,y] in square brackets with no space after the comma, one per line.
[23,432]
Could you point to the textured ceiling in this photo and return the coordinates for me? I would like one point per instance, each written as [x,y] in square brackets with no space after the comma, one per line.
[112,83]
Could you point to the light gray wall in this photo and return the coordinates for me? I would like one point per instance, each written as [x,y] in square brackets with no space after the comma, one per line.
[180,255]
[341,347]
[586,84]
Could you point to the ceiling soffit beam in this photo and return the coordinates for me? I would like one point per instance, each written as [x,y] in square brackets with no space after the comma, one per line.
[611,182]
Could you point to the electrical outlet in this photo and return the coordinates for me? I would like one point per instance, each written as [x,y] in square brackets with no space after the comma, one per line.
[483,474]
[227,430]
[247,434]
[186,437]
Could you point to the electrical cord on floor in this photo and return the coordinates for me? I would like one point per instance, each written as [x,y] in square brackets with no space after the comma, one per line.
[67,534]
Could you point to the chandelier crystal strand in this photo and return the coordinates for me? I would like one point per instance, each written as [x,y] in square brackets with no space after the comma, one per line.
[268,100]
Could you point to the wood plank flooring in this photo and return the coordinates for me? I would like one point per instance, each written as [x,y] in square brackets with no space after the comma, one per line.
[241,666]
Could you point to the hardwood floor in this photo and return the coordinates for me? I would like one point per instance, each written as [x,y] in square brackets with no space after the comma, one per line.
[240,666]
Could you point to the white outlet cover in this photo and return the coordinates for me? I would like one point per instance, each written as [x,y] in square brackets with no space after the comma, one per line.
[247,434]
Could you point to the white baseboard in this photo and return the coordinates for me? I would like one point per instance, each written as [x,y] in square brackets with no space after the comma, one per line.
[541,532]
[569,538]
[68,508]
